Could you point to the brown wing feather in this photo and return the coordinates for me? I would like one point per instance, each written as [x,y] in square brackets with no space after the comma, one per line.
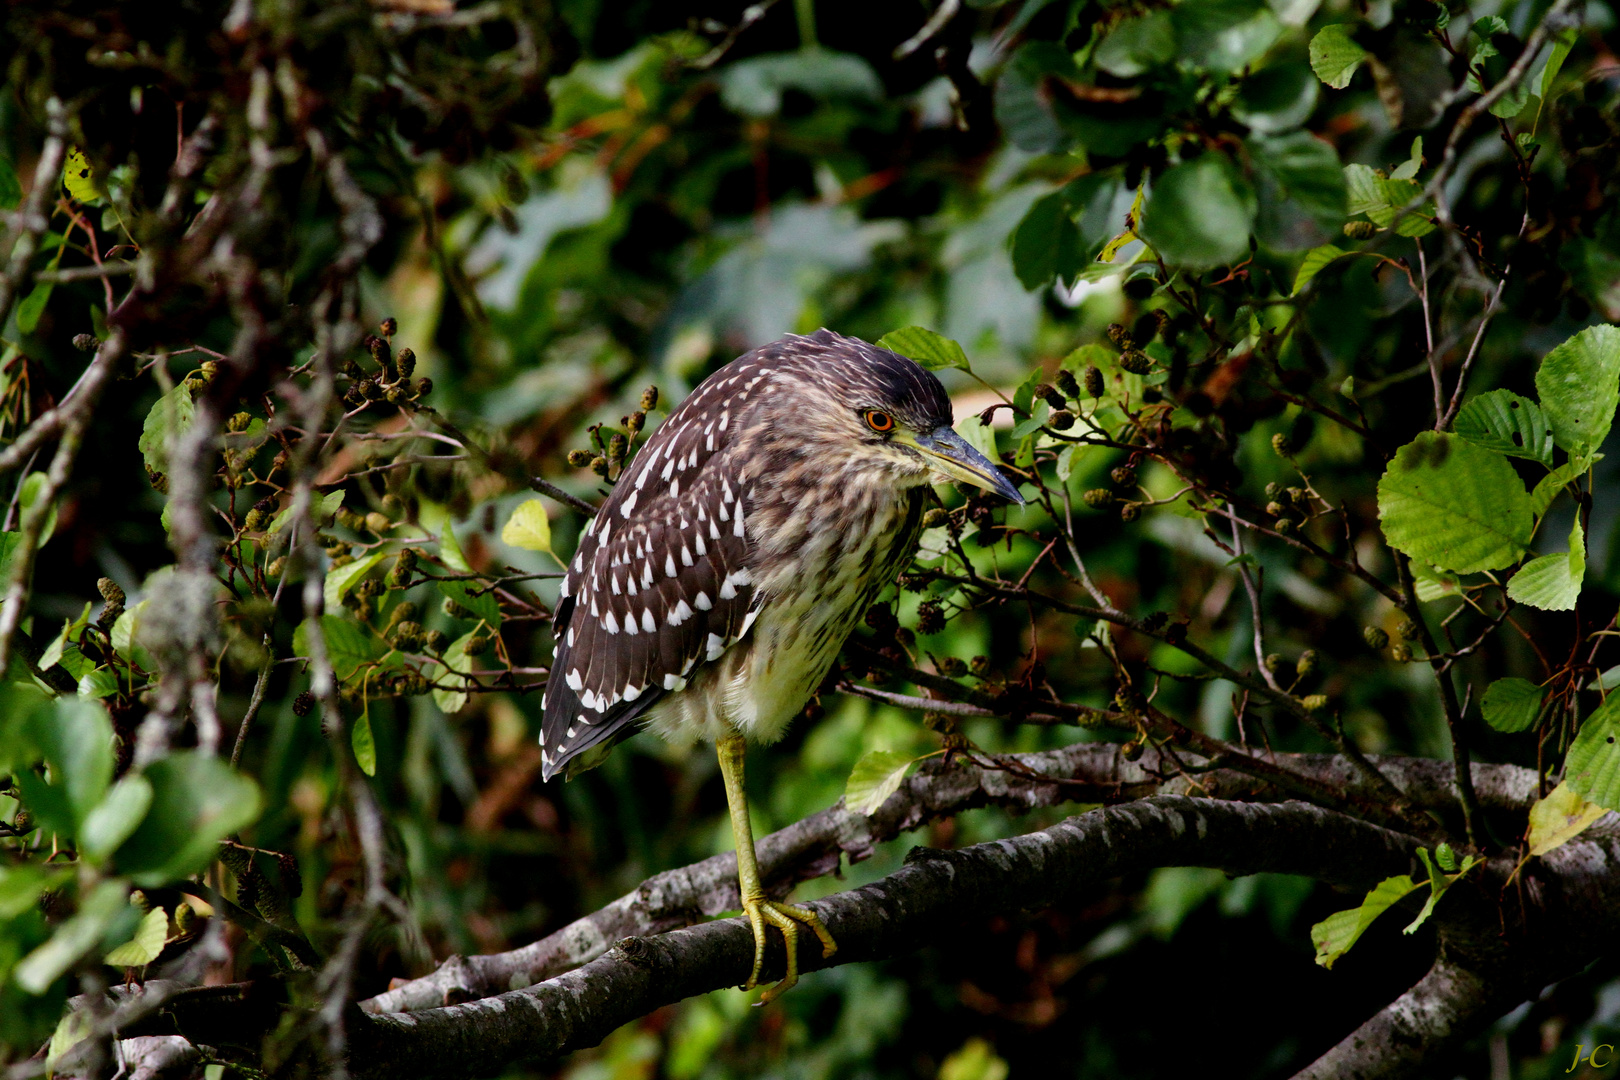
[660,583]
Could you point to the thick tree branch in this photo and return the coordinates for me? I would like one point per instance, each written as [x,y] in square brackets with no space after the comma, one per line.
[1093,772]
[918,905]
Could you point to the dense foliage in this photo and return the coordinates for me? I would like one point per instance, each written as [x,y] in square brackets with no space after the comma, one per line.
[1292,319]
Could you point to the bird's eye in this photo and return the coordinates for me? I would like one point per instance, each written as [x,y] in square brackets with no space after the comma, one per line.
[878,420]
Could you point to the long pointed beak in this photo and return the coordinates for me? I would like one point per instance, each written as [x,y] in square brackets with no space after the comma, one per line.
[955,457]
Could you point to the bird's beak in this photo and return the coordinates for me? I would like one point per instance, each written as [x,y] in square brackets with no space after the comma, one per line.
[955,457]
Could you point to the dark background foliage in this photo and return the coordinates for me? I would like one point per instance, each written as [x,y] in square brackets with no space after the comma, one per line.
[566,203]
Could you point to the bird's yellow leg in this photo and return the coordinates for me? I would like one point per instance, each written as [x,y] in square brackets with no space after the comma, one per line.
[759,910]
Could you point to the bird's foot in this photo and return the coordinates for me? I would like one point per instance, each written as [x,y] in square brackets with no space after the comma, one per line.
[785,917]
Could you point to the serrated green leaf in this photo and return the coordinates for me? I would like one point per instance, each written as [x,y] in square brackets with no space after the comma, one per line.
[1511,704]
[1592,768]
[363,744]
[1431,584]
[98,683]
[197,801]
[1200,213]
[116,817]
[877,775]
[1455,505]
[1553,582]
[341,580]
[168,417]
[1335,56]
[1334,935]
[1438,884]
[348,644]
[529,528]
[1579,386]
[150,937]
[1559,818]
[1315,261]
[933,351]
[1039,411]
[1503,421]
[75,737]
[1136,45]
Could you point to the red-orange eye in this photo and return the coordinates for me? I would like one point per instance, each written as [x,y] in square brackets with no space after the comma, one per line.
[879,421]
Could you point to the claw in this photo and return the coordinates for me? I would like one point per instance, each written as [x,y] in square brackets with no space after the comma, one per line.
[786,918]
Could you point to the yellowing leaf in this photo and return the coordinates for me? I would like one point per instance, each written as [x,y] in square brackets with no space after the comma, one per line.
[876,776]
[79,178]
[1334,935]
[144,947]
[1559,818]
[529,528]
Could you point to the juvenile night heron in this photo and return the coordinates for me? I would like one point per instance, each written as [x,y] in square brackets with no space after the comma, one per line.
[714,588]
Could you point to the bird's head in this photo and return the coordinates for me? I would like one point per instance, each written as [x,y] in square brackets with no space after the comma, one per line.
[884,413]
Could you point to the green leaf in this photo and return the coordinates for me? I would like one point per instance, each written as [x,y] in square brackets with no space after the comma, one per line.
[1315,260]
[1334,935]
[455,660]
[1335,56]
[197,801]
[933,351]
[21,887]
[1563,42]
[877,775]
[348,644]
[168,418]
[10,187]
[71,628]
[1502,420]
[1579,386]
[31,308]
[341,580]
[33,488]
[1200,213]
[98,683]
[1136,45]
[435,518]
[1559,818]
[1592,767]
[1381,199]
[79,178]
[150,937]
[1046,244]
[529,528]
[1408,169]
[1438,884]
[1224,35]
[1553,582]
[116,817]
[980,436]
[754,87]
[1455,505]
[75,737]
[365,747]
[1308,171]
[73,939]
[1547,489]
[483,605]
[1431,584]
[1511,704]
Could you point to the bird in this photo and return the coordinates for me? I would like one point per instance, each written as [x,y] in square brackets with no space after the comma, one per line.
[714,588]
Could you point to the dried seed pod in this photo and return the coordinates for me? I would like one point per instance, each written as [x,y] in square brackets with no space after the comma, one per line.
[950,666]
[1280,443]
[1276,509]
[1066,383]
[635,422]
[1273,663]
[979,665]
[1409,630]
[424,387]
[1119,335]
[86,342]
[1132,750]
[1360,230]
[1401,653]
[254,521]
[406,362]
[389,327]
[455,610]
[379,523]
[1094,382]
[1098,498]
[599,465]
[303,703]
[436,641]
[617,445]
[239,423]
[649,399]
[1136,361]
[1130,511]
[1314,702]
[1124,476]
[1061,420]
[1051,395]
[477,645]
[1306,664]
[277,567]
[930,617]
[1375,637]
[109,590]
